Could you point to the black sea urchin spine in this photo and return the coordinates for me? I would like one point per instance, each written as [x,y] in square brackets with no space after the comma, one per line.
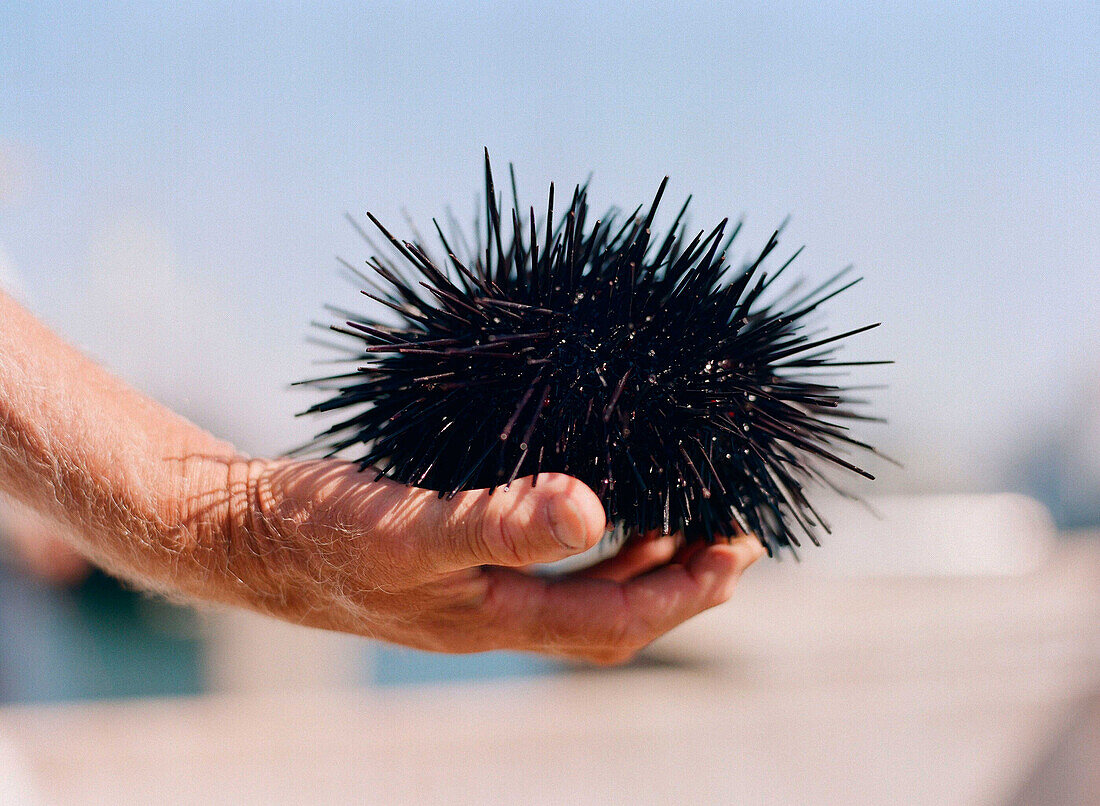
[645,366]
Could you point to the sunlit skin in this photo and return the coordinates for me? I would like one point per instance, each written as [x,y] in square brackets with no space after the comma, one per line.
[156,500]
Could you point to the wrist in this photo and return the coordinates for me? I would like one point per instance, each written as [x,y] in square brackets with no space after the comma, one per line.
[257,541]
[169,501]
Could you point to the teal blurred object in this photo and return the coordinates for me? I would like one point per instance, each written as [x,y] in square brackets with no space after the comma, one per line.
[398,666]
[97,640]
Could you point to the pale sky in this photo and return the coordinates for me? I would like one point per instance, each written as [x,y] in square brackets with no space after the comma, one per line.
[173,181]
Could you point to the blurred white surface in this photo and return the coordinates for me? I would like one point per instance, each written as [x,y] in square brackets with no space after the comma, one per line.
[933,535]
[16,783]
[805,689]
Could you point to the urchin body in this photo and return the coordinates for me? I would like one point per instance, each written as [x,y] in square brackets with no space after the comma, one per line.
[646,367]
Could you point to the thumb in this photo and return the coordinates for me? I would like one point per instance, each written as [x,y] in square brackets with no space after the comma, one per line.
[526,523]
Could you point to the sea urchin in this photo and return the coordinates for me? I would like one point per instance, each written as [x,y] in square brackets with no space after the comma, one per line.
[645,366]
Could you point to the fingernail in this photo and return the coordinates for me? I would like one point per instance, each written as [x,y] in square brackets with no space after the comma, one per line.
[567,523]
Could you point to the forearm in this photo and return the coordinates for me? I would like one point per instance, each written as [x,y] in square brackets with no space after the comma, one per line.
[133,480]
[157,500]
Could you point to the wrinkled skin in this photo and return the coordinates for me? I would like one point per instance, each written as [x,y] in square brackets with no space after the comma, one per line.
[156,500]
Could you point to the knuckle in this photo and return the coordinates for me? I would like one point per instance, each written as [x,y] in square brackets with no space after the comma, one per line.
[475,532]
[641,623]
[619,631]
[489,602]
[629,634]
[723,593]
[723,589]
[509,539]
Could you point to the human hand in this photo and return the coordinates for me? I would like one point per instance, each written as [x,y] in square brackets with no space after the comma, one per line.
[152,498]
[320,543]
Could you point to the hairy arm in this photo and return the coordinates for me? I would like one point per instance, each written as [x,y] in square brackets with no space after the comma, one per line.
[155,499]
[82,447]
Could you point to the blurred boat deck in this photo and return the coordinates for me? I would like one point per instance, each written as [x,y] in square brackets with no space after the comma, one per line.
[807,688]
